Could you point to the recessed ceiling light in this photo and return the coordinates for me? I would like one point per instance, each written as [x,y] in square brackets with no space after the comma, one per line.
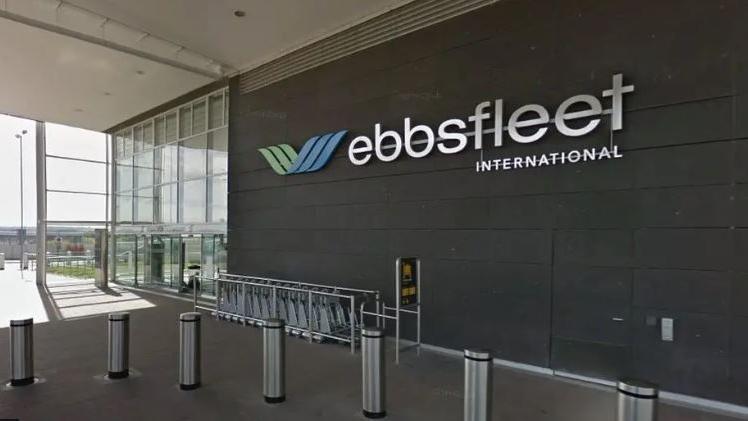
[239,13]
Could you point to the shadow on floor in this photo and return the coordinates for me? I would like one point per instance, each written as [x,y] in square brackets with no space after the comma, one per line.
[61,298]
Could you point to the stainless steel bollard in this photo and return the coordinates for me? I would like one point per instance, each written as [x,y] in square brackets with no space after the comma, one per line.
[274,361]
[478,385]
[118,356]
[21,352]
[189,351]
[637,400]
[373,377]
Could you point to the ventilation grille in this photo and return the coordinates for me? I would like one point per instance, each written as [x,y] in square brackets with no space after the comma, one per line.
[385,27]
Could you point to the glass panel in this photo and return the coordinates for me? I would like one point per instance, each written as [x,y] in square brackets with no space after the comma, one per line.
[208,263]
[218,153]
[185,122]
[160,131]
[144,170]
[137,135]
[75,143]
[128,142]
[161,260]
[124,207]
[64,174]
[167,163]
[140,259]
[221,247]
[192,157]
[176,256]
[199,117]
[125,259]
[225,107]
[124,175]
[148,135]
[192,260]
[119,145]
[76,207]
[192,201]
[70,251]
[215,111]
[217,196]
[171,127]
[167,203]
[144,206]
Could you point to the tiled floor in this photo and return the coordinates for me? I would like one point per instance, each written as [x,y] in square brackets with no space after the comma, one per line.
[323,381]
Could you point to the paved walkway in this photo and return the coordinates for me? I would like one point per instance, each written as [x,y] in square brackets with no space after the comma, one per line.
[323,381]
[63,298]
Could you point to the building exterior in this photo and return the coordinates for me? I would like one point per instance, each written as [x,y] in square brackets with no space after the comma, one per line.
[571,174]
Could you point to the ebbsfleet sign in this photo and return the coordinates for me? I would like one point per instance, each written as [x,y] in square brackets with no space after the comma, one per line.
[489,125]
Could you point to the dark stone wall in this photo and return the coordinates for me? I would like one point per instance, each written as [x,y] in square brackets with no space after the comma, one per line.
[533,263]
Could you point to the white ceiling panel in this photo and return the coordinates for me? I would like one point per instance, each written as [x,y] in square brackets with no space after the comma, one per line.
[96,63]
[269,29]
[51,77]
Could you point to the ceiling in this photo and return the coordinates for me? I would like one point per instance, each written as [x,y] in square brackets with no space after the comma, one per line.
[95,63]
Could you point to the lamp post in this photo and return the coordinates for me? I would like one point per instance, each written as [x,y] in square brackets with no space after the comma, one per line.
[22,234]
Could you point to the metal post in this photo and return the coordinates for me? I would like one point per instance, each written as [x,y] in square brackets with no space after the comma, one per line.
[478,385]
[274,361]
[309,317]
[373,375]
[352,316]
[397,310]
[23,234]
[218,297]
[275,303]
[378,311]
[118,357]
[21,352]
[637,400]
[418,316]
[194,298]
[244,303]
[41,204]
[189,351]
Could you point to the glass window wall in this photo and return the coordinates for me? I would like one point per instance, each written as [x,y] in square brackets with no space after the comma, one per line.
[171,176]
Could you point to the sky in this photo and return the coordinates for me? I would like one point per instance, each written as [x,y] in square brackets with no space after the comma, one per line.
[61,174]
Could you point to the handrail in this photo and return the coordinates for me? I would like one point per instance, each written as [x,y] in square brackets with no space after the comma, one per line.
[301,283]
[259,284]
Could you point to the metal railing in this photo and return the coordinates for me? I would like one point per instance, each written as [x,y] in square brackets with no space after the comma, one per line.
[59,261]
[313,311]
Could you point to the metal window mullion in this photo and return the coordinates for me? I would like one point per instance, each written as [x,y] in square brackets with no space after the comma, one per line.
[192,118]
[113,240]
[77,192]
[207,200]
[223,107]
[71,158]
[206,104]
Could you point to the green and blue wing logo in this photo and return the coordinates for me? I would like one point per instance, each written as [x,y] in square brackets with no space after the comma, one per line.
[314,155]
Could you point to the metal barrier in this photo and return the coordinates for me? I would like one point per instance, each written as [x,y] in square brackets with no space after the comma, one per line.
[189,351]
[373,373]
[637,400]
[21,352]
[118,356]
[274,361]
[313,311]
[404,305]
[478,385]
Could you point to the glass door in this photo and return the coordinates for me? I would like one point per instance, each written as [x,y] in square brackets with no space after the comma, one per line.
[192,260]
[160,248]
